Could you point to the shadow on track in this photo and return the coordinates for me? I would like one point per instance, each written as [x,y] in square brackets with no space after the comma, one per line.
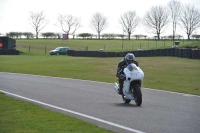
[126,105]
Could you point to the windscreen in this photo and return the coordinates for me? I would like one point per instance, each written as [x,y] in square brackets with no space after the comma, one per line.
[131,67]
[58,48]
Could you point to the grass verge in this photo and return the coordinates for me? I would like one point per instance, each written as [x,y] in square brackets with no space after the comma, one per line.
[22,117]
[95,45]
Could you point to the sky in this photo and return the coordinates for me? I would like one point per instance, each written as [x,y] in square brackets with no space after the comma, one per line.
[14,14]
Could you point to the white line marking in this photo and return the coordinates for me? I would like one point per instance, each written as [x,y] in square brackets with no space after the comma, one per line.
[73,112]
[188,95]
[184,94]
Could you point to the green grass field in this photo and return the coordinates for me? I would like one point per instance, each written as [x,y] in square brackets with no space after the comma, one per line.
[108,45]
[164,73]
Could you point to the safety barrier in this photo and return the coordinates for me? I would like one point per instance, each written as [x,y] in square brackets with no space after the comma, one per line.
[176,52]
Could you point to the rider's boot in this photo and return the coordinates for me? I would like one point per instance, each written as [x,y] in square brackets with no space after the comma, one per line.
[120,88]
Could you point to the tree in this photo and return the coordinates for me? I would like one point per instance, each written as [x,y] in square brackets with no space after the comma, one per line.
[48,35]
[108,35]
[19,34]
[196,36]
[179,36]
[68,23]
[76,27]
[145,36]
[98,23]
[121,35]
[12,34]
[15,34]
[83,35]
[28,35]
[139,36]
[174,7]
[59,35]
[129,21]
[38,21]
[163,37]
[156,20]
[190,19]
[170,36]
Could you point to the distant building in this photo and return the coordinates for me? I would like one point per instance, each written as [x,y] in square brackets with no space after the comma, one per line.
[7,43]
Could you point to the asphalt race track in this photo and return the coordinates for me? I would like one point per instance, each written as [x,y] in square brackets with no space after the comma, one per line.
[98,103]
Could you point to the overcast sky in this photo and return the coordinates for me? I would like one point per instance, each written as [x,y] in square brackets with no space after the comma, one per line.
[14,14]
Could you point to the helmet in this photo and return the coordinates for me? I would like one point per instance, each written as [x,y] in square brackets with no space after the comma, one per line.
[129,58]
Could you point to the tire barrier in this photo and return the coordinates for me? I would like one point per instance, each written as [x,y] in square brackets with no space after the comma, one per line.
[9,52]
[176,52]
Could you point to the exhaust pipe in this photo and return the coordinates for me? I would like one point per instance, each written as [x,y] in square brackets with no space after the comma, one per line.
[116,87]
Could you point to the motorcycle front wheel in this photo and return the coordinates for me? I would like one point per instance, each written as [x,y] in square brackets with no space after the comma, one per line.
[138,95]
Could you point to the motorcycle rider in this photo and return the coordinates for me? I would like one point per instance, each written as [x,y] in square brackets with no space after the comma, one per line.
[128,59]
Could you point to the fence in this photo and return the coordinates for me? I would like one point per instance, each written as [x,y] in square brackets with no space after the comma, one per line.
[183,53]
[176,52]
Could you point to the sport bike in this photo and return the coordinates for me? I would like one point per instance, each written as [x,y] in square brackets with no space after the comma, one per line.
[132,84]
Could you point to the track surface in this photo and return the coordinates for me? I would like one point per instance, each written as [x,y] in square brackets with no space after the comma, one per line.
[161,111]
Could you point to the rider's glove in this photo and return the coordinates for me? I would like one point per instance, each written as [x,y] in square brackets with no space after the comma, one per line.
[122,76]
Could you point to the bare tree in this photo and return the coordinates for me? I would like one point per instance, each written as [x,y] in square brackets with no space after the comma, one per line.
[38,21]
[59,35]
[68,23]
[156,20]
[98,23]
[129,21]
[76,27]
[174,7]
[190,19]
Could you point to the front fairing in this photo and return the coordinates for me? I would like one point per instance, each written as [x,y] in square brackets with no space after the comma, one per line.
[133,72]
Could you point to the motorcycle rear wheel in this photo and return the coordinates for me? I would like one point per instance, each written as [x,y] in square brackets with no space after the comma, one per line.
[125,100]
[138,95]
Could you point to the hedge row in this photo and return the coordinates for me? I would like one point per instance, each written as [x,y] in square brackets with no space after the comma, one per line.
[184,53]
[9,52]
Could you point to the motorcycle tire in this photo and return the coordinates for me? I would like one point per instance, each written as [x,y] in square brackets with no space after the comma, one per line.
[138,95]
[125,100]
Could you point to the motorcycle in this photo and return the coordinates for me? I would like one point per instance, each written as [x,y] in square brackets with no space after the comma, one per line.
[132,84]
